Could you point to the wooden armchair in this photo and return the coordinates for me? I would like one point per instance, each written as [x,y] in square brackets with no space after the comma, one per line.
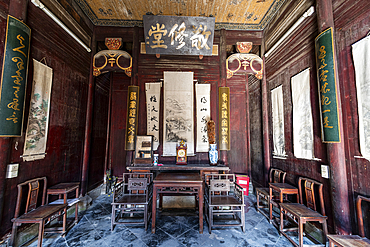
[33,212]
[352,240]
[132,198]
[223,196]
[275,176]
[305,211]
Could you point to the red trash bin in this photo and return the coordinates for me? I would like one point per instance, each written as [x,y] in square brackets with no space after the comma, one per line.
[243,181]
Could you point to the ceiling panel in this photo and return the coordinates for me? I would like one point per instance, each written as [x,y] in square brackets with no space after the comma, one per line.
[229,14]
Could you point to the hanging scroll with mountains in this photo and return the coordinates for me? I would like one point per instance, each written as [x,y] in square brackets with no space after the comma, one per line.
[178,35]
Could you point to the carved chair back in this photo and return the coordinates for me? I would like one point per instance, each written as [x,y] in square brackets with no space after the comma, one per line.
[277,176]
[220,184]
[32,195]
[308,196]
[360,218]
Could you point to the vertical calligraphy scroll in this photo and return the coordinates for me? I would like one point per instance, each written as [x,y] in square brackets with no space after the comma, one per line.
[153,96]
[14,78]
[131,121]
[277,105]
[203,115]
[325,63]
[224,116]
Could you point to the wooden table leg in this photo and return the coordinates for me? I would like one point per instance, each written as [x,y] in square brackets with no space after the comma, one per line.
[200,196]
[154,207]
[270,205]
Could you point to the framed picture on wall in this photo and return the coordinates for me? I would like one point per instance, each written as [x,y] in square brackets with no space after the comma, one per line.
[143,151]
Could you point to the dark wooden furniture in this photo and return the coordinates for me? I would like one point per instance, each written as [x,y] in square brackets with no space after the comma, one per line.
[352,240]
[63,189]
[275,176]
[223,196]
[132,198]
[305,211]
[178,183]
[33,211]
[283,190]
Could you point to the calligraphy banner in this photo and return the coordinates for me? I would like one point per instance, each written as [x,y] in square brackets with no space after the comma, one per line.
[325,63]
[179,35]
[131,121]
[361,61]
[203,98]
[178,115]
[38,118]
[14,78]
[224,116]
[153,96]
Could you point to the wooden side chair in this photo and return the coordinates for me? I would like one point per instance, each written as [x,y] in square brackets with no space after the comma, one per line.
[305,211]
[352,240]
[275,176]
[223,196]
[35,211]
[132,198]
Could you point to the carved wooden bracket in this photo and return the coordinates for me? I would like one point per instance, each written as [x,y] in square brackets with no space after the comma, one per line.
[244,63]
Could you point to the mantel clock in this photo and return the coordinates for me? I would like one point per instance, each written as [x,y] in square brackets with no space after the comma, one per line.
[181,151]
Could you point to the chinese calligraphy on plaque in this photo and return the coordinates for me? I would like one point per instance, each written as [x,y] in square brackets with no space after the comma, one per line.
[132,111]
[14,77]
[179,35]
[327,86]
[224,115]
[203,104]
[153,95]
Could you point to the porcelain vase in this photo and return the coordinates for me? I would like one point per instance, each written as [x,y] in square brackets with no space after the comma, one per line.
[213,154]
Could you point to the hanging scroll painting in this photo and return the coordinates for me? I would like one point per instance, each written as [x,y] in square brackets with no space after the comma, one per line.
[178,120]
[203,105]
[38,119]
[302,116]
[278,121]
[153,95]
[361,58]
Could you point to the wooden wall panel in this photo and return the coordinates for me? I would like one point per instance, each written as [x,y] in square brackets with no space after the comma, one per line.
[99,131]
[352,23]
[70,63]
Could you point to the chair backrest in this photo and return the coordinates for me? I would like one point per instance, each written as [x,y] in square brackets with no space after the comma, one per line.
[137,182]
[277,175]
[360,219]
[307,194]
[32,195]
[220,184]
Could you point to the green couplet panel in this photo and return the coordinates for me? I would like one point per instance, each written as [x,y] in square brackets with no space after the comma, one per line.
[14,77]
[325,62]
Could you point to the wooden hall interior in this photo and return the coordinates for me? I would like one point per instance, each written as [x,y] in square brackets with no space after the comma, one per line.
[86,134]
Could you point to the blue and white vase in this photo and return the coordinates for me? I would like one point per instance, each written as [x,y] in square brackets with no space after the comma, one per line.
[213,154]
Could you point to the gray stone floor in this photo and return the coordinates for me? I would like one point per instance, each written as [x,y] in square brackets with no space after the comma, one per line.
[93,229]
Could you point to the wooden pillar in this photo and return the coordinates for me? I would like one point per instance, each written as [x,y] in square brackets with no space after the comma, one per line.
[335,151]
[265,120]
[248,130]
[134,76]
[18,9]
[88,125]
[107,164]
[223,153]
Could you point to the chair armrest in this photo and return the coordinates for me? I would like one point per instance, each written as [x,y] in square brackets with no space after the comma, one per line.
[118,190]
[239,192]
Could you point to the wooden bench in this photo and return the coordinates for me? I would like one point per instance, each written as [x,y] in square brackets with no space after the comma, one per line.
[34,212]
[305,211]
[352,240]
[275,176]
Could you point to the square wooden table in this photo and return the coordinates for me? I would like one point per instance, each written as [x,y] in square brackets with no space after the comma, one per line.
[63,189]
[178,183]
[282,189]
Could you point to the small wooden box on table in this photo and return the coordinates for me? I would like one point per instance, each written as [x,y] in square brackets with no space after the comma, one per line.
[283,189]
[63,189]
[178,183]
